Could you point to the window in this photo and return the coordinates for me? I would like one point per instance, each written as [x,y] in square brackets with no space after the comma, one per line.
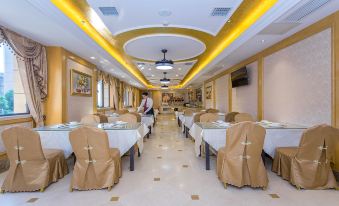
[100,94]
[103,94]
[12,96]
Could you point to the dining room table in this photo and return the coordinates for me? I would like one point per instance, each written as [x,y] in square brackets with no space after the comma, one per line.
[213,135]
[121,135]
[187,121]
[147,119]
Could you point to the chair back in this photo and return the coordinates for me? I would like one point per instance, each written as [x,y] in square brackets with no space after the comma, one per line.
[137,115]
[122,111]
[130,118]
[29,169]
[196,117]
[311,167]
[243,117]
[94,167]
[211,110]
[188,112]
[230,117]
[90,119]
[242,164]
[209,117]
[103,118]
[132,109]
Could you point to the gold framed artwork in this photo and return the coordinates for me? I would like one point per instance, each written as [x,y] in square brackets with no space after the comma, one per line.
[209,92]
[81,84]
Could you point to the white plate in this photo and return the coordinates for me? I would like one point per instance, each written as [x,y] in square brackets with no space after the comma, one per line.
[120,122]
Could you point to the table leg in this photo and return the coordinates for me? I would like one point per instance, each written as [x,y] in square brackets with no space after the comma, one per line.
[139,154]
[184,129]
[207,151]
[131,158]
[150,129]
[178,122]
[187,132]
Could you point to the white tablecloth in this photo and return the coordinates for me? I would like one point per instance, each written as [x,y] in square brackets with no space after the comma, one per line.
[123,139]
[277,137]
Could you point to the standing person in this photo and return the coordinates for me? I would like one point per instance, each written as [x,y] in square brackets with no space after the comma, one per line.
[146,104]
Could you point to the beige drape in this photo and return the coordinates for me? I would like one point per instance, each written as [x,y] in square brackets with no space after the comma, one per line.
[32,62]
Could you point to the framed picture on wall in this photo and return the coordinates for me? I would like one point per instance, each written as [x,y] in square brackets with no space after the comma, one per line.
[81,84]
[209,92]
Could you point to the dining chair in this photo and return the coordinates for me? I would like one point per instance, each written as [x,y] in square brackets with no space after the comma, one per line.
[230,117]
[243,117]
[188,112]
[239,163]
[196,117]
[128,117]
[102,118]
[209,117]
[138,116]
[90,119]
[31,167]
[211,110]
[97,166]
[122,111]
[309,165]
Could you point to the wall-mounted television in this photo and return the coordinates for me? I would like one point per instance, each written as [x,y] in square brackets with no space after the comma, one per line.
[239,77]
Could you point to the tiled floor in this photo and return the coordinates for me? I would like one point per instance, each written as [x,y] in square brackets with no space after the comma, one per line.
[169,174]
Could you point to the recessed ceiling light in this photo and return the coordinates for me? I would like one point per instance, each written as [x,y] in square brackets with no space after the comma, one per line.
[102,62]
[150,69]
[262,41]
[152,75]
[177,75]
[92,57]
[142,68]
[122,76]
[229,21]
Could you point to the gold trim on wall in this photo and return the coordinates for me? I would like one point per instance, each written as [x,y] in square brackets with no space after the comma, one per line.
[260,110]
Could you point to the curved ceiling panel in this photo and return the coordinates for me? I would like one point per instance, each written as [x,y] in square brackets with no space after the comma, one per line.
[179,47]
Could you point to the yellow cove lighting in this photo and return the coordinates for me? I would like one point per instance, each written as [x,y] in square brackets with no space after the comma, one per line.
[78,17]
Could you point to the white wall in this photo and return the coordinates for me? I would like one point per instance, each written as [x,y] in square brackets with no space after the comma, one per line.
[297,82]
[78,106]
[245,98]
[221,93]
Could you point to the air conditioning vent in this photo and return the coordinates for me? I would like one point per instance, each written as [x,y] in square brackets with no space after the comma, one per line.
[305,10]
[189,63]
[109,11]
[220,11]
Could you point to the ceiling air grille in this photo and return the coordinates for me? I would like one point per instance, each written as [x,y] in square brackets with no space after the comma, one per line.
[109,11]
[220,11]
[305,10]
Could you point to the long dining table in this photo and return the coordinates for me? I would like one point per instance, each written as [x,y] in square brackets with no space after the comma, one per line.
[147,119]
[187,121]
[214,137]
[121,136]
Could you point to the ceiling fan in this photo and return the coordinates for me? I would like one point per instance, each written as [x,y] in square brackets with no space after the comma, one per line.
[164,64]
[165,80]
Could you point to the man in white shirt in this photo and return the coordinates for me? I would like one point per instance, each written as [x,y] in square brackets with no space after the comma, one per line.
[146,104]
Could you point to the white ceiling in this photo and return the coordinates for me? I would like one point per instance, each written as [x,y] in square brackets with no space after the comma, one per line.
[44,23]
[179,47]
[136,14]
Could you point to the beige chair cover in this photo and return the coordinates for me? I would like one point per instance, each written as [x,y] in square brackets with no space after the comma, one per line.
[188,112]
[209,117]
[240,162]
[123,111]
[309,165]
[230,117]
[137,115]
[128,117]
[95,166]
[103,118]
[90,119]
[31,168]
[243,117]
[197,116]
[210,110]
